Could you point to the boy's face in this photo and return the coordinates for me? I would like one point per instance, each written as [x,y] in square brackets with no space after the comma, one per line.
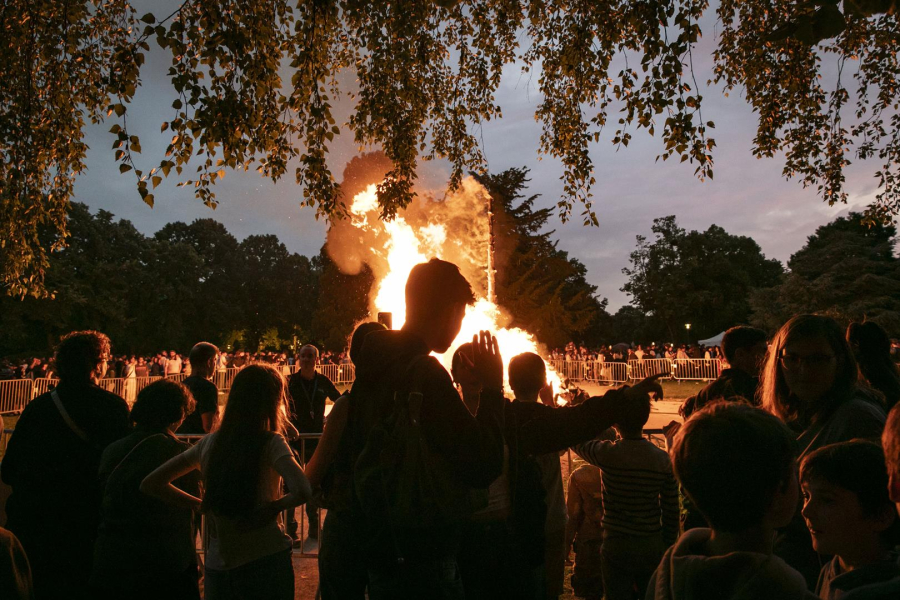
[835,518]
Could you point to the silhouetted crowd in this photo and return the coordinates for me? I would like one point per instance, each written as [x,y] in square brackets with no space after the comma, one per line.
[782,481]
[160,364]
[626,352]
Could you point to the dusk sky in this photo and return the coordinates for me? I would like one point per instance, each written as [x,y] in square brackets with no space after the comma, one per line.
[748,196]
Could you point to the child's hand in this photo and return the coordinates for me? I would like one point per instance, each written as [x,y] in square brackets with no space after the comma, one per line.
[487,363]
[546,395]
[649,386]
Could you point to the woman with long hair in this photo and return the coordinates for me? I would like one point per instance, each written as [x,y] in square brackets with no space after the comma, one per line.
[872,349]
[145,547]
[811,381]
[243,464]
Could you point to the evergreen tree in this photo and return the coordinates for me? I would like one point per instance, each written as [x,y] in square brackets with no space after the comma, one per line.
[544,290]
[702,278]
[848,269]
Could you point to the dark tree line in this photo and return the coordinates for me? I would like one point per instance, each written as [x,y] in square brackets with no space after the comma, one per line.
[185,283]
[713,280]
[196,281]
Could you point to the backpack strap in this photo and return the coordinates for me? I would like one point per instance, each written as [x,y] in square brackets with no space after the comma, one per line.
[414,395]
[82,435]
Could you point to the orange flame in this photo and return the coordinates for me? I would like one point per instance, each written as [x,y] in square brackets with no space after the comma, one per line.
[405,247]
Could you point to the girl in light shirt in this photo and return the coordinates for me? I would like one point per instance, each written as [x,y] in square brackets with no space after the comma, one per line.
[243,464]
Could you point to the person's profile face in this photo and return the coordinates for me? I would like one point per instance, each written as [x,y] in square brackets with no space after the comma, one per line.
[809,366]
[835,518]
[451,325]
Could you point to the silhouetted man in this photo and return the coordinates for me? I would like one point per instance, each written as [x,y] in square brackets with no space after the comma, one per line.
[420,562]
[744,348]
[309,390]
[203,359]
[52,461]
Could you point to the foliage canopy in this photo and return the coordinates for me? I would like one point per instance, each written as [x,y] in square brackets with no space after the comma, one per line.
[255,82]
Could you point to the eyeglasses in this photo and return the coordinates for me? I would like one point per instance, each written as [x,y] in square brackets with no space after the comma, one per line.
[792,362]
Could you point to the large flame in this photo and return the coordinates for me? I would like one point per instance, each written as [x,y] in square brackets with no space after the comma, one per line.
[403,248]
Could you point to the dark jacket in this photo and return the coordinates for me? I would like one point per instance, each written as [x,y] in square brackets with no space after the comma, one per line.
[471,447]
[141,538]
[533,429]
[53,475]
[731,384]
[307,408]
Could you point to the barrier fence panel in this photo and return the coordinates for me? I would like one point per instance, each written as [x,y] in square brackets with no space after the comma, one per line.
[343,373]
[43,385]
[697,368]
[641,369]
[591,370]
[15,394]
[612,372]
[700,369]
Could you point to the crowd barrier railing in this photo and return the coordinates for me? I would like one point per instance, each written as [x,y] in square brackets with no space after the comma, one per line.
[641,369]
[13,394]
[683,369]
[16,393]
[591,370]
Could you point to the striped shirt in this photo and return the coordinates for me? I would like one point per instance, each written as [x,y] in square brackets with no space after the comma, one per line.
[639,493]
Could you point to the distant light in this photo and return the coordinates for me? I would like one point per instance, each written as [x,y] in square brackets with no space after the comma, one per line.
[687,326]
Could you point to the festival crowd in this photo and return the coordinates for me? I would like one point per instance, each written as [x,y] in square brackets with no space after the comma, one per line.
[782,482]
[627,352]
[161,364]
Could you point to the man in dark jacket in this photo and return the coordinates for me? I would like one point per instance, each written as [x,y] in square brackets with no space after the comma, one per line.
[308,391]
[744,349]
[51,463]
[421,562]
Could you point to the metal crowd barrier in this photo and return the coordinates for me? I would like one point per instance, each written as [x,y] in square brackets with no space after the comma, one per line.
[591,370]
[699,369]
[647,367]
[16,393]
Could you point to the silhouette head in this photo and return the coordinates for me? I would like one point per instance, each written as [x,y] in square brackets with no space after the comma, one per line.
[527,375]
[162,404]
[359,337]
[436,298]
[82,355]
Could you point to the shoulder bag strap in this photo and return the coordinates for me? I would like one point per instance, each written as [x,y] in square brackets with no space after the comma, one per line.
[68,419]
[130,452]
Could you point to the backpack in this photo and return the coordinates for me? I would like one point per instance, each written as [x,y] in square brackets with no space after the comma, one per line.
[398,480]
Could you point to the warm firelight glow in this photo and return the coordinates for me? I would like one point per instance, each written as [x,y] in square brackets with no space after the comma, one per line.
[404,248]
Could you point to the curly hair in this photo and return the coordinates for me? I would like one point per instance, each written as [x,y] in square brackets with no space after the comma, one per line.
[79,353]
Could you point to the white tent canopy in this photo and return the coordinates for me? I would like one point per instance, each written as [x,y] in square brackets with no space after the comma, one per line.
[715,340]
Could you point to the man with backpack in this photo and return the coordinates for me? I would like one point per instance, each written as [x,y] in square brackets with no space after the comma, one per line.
[422,450]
